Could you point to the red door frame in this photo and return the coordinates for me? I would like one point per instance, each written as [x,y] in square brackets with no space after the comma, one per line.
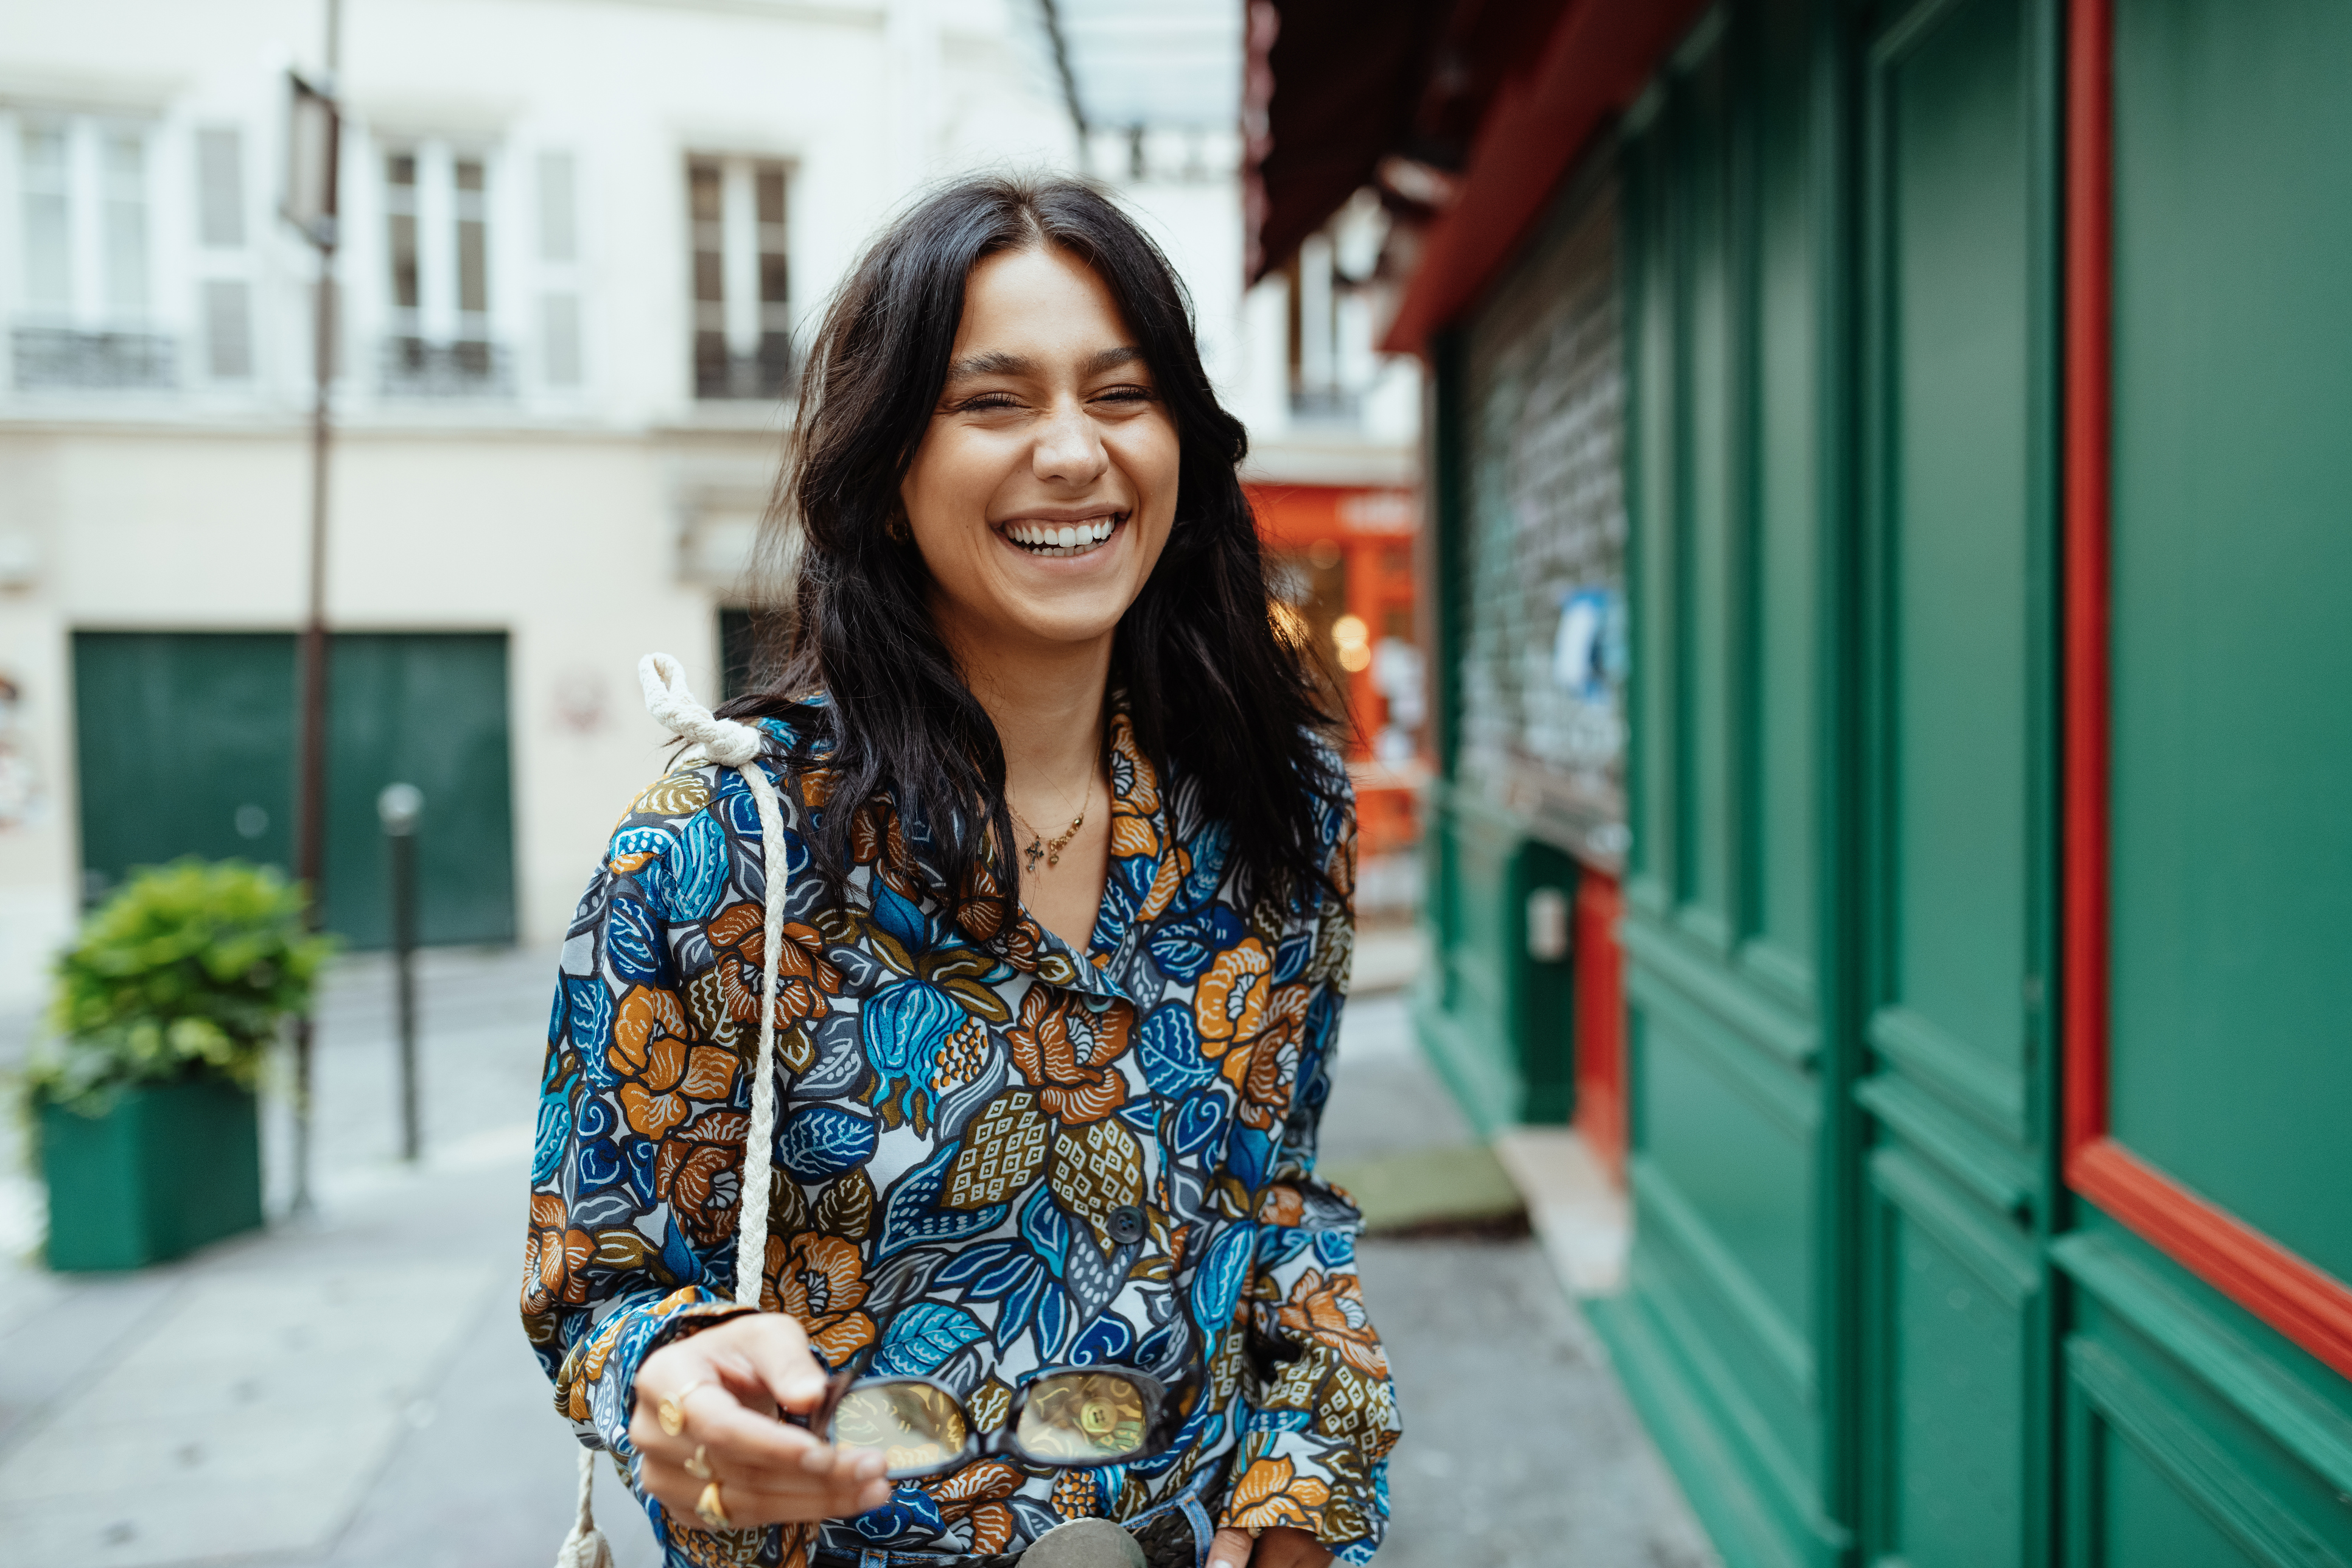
[1600,1029]
[2302,1301]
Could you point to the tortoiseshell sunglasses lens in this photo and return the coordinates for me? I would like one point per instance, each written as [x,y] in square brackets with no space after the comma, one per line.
[1082,1419]
[918,1430]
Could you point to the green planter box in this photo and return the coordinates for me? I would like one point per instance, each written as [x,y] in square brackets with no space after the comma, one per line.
[163,1172]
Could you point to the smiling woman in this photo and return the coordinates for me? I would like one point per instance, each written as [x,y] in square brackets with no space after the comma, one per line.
[1054,1010]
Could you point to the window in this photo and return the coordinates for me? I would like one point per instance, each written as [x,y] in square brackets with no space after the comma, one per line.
[1316,389]
[224,293]
[743,293]
[85,320]
[438,248]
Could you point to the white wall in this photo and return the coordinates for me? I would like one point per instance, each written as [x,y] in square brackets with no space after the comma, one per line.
[563,519]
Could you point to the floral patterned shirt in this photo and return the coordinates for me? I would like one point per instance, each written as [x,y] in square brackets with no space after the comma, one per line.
[967,1137]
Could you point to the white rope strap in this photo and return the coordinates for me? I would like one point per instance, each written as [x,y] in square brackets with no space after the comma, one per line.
[723,741]
[585,1547]
[752,1234]
[731,744]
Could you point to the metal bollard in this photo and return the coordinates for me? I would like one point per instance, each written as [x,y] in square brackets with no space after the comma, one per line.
[398,808]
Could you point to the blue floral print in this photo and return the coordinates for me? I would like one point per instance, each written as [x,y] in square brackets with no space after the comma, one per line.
[961,1119]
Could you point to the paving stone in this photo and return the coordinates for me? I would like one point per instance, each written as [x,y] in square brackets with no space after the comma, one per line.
[1519,1450]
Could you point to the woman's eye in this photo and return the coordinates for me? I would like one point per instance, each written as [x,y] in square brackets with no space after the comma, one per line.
[1125,395]
[987,403]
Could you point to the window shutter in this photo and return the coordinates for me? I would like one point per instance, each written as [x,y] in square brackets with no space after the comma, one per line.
[220,188]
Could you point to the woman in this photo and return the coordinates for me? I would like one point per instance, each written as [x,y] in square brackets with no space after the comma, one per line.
[1065,938]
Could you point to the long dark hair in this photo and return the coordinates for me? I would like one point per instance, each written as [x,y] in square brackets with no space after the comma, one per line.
[1211,684]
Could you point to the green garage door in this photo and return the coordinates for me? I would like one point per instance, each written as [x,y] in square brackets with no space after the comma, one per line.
[185,745]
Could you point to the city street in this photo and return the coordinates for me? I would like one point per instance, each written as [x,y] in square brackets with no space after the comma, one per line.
[351,1390]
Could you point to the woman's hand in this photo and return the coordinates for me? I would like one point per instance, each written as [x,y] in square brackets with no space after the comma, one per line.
[1281,1547]
[730,1384]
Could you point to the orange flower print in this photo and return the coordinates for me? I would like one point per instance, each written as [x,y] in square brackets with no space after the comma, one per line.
[1065,1048]
[804,976]
[1330,1310]
[699,1173]
[821,1280]
[976,1494]
[1265,1067]
[553,1257]
[1228,1004]
[1270,1493]
[1174,866]
[662,1071]
[877,839]
[1134,795]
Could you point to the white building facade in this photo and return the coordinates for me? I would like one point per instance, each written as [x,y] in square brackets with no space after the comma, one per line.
[581,242]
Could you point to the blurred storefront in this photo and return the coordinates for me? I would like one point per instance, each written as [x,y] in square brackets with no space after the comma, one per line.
[1884,477]
[1343,559]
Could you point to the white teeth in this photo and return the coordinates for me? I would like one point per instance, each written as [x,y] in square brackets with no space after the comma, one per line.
[1065,539]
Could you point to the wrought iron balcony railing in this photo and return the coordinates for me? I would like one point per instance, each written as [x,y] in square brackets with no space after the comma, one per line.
[1327,404]
[45,358]
[468,367]
[764,374]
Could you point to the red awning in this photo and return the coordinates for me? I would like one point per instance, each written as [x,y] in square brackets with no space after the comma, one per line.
[1335,86]
[1598,57]
[1505,94]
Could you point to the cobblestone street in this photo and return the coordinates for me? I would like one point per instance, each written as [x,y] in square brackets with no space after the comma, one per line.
[351,1390]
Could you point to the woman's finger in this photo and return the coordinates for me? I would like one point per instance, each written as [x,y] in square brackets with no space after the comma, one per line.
[763,1501]
[759,1450]
[778,1350]
[1231,1549]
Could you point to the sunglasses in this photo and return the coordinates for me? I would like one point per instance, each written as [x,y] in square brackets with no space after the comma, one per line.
[1071,1417]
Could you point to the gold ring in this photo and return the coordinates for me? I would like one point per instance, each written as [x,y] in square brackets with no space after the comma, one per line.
[699,1465]
[671,1412]
[710,1510]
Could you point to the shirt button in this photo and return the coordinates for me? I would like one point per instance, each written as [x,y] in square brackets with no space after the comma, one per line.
[1126,1224]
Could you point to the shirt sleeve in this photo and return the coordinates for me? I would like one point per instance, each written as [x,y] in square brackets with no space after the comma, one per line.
[631,1163]
[1321,1412]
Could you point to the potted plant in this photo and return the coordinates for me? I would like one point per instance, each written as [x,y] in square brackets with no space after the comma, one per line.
[141,1095]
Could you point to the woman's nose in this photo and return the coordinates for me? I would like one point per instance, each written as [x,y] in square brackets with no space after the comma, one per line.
[1069,449]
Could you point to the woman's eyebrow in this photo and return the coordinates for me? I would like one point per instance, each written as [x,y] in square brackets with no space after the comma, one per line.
[1111,359]
[998,362]
[994,363]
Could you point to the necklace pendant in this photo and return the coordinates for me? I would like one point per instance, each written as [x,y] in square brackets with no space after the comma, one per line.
[1031,854]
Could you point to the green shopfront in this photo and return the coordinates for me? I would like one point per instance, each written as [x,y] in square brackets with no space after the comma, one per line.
[1893,475]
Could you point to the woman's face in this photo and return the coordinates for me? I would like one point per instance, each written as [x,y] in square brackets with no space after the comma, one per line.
[1043,491]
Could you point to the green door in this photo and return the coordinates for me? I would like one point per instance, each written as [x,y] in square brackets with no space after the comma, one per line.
[185,747]
[1958,546]
[2202,1433]
[428,709]
[1734,1335]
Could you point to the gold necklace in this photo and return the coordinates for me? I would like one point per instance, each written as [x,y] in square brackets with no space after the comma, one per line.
[1040,846]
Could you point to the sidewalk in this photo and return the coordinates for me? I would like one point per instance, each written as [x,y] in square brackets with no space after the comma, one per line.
[352,1390]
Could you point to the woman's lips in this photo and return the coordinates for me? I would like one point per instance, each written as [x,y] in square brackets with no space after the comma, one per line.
[1061,540]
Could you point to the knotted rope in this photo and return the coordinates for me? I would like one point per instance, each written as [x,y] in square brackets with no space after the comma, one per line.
[734,745]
